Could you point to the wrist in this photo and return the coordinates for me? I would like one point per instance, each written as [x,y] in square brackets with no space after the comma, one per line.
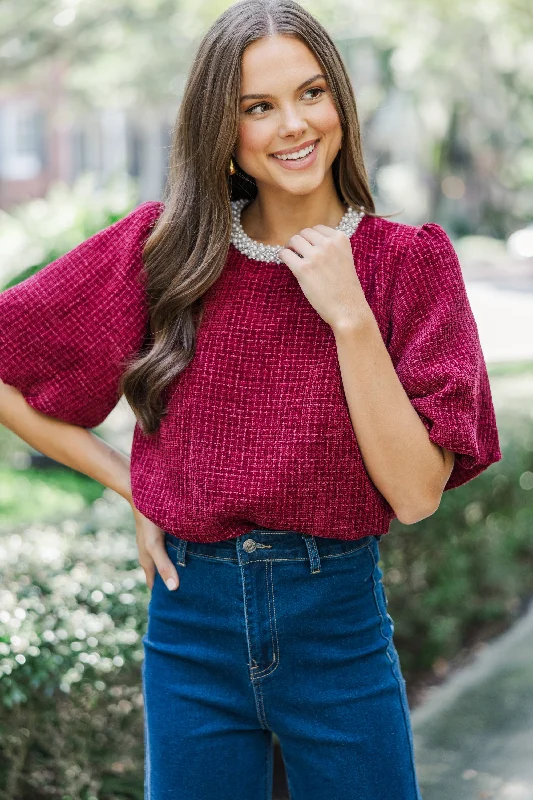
[127,495]
[359,319]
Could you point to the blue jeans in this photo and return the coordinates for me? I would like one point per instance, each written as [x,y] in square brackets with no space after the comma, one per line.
[274,631]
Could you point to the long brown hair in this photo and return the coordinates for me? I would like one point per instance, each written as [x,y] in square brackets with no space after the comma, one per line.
[187,248]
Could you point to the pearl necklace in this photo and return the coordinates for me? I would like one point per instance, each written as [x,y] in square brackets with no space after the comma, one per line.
[268,252]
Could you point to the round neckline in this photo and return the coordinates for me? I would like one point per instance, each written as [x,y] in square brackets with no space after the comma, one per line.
[266,250]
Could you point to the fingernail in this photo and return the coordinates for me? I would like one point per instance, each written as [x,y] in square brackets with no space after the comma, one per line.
[171,584]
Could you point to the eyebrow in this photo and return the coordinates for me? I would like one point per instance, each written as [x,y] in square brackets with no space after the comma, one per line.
[266,96]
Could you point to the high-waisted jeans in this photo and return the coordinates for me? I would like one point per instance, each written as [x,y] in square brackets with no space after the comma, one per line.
[274,631]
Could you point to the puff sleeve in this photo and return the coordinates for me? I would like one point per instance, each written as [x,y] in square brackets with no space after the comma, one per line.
[435,348]
[66,331]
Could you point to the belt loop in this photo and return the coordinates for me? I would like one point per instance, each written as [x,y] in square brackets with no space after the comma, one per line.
[182,549]
[312,549]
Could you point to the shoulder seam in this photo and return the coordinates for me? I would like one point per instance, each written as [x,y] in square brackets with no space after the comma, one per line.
[409,241]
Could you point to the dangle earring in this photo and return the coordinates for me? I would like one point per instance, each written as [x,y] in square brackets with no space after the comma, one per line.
[232,169]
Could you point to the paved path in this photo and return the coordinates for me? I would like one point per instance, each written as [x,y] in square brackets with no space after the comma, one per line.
[474,733]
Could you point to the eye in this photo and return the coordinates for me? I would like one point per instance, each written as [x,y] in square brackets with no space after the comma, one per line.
[259,105]
[315,89]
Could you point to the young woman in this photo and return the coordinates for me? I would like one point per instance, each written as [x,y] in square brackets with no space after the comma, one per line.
[302,371]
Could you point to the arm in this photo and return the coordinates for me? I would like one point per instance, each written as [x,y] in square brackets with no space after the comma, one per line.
[66,443]
[407,468]
[85,452]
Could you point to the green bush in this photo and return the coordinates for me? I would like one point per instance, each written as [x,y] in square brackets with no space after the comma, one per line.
[73,612]
[39,231]
[41,495]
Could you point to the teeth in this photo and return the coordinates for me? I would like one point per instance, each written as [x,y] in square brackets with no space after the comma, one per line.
[299,154]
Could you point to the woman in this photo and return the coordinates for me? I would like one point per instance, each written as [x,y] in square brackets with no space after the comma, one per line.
[290,401]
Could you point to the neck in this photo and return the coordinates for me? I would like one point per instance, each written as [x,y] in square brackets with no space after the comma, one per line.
[273,218]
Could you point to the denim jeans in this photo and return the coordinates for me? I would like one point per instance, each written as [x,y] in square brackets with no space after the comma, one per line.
[274,631]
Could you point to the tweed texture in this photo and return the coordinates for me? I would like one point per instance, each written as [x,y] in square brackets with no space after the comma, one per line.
[258,432]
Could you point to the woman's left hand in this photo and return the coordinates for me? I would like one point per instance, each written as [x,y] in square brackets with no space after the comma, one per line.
[326,273]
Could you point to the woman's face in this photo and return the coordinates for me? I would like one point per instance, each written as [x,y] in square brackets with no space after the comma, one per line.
[297,110]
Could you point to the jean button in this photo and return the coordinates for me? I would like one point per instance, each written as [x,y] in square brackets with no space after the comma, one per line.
[249,545]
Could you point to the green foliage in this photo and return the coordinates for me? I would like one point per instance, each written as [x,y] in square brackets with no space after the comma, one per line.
[30,494]
[40,495]
[41,230]
[74,603]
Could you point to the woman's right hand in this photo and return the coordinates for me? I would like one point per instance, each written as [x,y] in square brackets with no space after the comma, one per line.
[152,551]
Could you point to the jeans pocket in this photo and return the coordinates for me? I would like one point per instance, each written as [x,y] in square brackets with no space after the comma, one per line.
[173,547]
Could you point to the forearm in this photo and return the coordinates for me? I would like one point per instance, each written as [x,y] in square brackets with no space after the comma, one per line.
[402,462]
[68,444]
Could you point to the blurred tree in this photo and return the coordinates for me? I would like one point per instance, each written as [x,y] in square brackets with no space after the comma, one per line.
[468,68]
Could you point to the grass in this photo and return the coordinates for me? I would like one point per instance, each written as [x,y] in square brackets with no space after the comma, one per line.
[37,495]
[509,368]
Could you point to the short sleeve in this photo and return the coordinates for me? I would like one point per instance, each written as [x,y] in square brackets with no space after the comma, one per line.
[66,331]
[435,348]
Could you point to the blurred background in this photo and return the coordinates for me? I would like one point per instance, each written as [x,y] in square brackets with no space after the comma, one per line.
[88,96]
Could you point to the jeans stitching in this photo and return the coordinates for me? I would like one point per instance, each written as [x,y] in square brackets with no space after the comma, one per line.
[408,729]
[347,552]
[259,690]
[201,555]
[394,667]
[306,558]
[256,688]
[273,633]
[147,770]
[381,620]
[246,617]
[296,558]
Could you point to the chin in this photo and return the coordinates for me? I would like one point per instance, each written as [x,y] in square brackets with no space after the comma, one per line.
[301,186]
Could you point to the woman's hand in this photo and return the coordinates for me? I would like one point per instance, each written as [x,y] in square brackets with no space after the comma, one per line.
[321,260]
[152,551]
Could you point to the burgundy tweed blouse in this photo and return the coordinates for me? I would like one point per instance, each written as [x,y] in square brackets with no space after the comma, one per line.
[258,432]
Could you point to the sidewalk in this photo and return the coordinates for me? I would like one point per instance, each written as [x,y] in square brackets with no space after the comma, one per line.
[474,733]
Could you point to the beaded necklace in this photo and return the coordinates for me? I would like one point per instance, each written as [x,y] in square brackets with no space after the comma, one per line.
[268,252]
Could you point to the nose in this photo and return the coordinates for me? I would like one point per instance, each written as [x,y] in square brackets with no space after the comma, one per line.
[292,123]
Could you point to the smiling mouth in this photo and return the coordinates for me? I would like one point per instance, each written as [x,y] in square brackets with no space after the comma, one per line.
[298,156]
